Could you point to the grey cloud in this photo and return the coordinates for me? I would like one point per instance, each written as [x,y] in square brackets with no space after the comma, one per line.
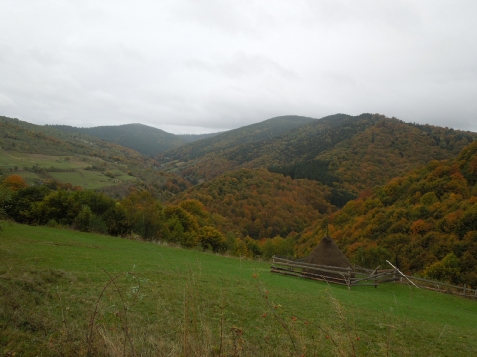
[242,64]
[215,65]
[6,101]
[233,18]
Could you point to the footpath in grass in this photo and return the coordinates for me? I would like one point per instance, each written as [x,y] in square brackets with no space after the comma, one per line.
[69,293]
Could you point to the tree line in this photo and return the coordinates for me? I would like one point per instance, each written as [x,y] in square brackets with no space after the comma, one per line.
[139,215]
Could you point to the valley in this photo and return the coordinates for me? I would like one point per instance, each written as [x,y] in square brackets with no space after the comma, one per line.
[212,211]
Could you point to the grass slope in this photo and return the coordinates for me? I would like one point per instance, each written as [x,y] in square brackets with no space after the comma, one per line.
[72,169]
[184,302]
[39,153]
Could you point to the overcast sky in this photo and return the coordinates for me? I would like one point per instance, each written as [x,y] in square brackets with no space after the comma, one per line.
[204,66]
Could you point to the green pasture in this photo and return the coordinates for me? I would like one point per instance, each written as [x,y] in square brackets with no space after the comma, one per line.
[15,162]
[178,302]
[31,178]
[10,159]
[89,179]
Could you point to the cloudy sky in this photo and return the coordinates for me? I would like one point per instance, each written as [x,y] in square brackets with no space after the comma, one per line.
[189,66]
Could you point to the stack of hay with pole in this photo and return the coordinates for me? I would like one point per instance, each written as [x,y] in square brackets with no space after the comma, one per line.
[326,263]
[327,255]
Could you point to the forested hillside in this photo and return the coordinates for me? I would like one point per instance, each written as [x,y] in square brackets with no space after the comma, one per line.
[21,136]
[245,135]
[261,189]
[348,153]
[254,146]
[260,204]
[388,149]
[140,215]
[425,222]
[142,138]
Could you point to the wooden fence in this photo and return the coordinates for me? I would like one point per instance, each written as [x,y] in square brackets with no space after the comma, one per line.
[443,287]
[362,277]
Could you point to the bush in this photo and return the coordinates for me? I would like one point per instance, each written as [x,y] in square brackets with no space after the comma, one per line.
[82,220]
[211,239]
[52,224]
[97,225]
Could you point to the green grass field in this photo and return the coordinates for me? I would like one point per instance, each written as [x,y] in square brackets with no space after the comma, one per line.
[89,179]
[10,159]
[177,302]
[16,161]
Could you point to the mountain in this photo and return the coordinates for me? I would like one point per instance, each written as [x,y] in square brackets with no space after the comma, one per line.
[47,140]
[349,153]
[248,147]
[190,138]
[407,192]
[424,221]
[249,134]
[142,138]
[39,153]
[372,151]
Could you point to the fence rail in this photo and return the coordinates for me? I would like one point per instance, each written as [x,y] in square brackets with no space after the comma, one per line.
[362,277]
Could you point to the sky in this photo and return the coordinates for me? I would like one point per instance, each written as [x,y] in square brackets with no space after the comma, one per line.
[188,66]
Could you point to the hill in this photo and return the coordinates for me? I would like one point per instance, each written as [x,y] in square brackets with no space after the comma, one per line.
[39,153]
[245,135]
[141,138]
[190,138]
[24,137]
[260,204]
[348,153]
[424,221]
[65,293]
[387,149]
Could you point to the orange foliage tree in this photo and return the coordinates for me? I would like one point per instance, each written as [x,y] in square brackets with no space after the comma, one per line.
[425,221]
[259,204]
[14,182]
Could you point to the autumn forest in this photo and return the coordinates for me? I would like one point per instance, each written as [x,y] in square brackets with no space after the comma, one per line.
[382,188]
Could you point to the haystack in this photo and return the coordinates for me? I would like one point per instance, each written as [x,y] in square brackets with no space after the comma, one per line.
[328,253]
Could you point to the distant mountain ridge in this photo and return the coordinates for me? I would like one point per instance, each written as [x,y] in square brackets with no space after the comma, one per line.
[30,138]
[244,148]
[349,153]
[253,133]
[145,139]
[189,138]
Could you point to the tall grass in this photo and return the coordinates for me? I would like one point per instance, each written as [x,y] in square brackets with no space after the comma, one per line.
[71,293]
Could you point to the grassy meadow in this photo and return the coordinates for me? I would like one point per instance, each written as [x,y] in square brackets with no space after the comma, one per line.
[74,169]
[69,293]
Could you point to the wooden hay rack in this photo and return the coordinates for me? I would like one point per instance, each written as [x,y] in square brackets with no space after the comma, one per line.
[336,275]
[363,277]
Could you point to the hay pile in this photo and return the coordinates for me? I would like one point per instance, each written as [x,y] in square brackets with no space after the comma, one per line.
[328,253]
